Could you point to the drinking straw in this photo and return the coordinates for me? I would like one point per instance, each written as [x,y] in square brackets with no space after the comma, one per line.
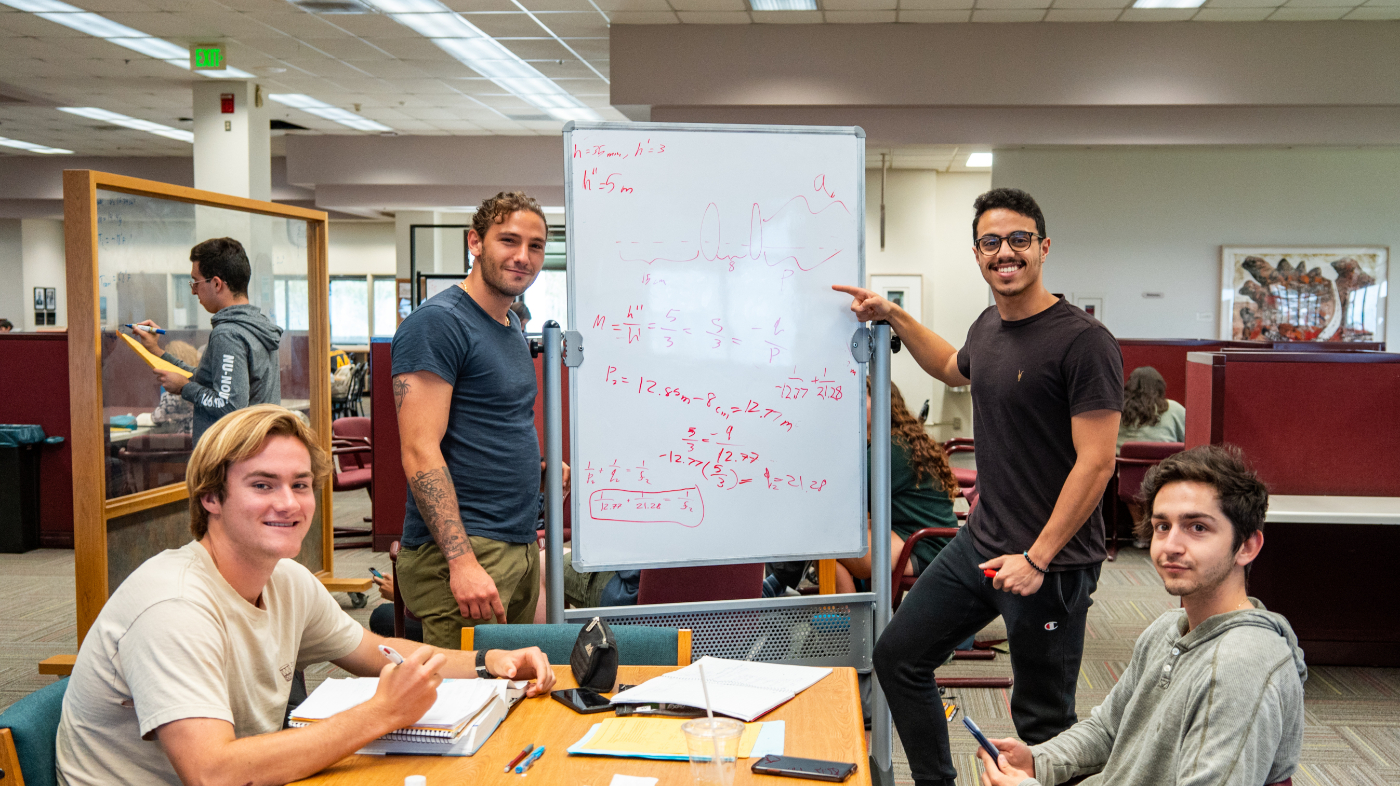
[705,689]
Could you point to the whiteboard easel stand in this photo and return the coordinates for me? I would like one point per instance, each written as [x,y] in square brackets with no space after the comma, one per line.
[553,475]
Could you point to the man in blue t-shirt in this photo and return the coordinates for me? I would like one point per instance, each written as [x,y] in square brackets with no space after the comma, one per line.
[464,388]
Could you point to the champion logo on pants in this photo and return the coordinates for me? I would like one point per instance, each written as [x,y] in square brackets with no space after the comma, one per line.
[1051,625]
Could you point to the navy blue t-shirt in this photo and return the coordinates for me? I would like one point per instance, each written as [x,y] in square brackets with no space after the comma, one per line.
[491,447]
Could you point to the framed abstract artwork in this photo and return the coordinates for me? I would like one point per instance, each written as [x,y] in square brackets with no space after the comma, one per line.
[1302,293]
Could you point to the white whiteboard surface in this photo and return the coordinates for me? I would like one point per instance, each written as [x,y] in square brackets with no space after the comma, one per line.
[718,415]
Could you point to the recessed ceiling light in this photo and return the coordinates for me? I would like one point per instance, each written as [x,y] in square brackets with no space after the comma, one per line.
[483,54]
[978,160]
[31,147]
[783,5]
[321,109]
[1168,3]
[125,121]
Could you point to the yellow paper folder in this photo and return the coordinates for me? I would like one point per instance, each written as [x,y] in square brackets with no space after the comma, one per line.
[152,360]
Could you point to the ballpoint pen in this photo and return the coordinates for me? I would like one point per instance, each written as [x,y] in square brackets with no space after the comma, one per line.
[519,757]
[534,757]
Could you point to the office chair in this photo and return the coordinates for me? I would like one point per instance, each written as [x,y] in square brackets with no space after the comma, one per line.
[29,737]
[352,454]
[637,645]
[1134,460]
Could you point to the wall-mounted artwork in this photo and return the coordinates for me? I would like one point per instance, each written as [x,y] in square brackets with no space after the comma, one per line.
[1303,293]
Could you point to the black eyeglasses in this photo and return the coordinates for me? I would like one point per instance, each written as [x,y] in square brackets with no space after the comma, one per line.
[1019,241]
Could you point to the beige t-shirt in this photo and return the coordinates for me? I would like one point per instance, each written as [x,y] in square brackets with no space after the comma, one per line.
[176,641]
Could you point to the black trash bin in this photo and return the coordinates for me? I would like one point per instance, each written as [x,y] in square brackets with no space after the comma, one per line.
[20,447]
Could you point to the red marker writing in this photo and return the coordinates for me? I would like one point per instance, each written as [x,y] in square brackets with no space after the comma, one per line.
[989,573]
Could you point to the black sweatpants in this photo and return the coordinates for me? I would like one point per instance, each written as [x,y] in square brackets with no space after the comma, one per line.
[951,601]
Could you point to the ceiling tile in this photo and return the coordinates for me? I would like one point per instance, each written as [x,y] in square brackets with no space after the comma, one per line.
[577,6]
[588,48]
[537,48]
[509,25]
[302,25]
[1232,14]
[787,17]
[1372,3]
[934,5]
[610,6]
[1157,14]
[106,7]
[419,86]
[1320,4]
[714,17]
[352,49]
[482,5]
[575,25]
[444,69]
[374,26]
[936,17]
[1012,4]
[1082,15]
[1306,14]
[1100,4]
[1002,15]
[1241,3]
[644,18]
[413,49]
[279,47]
[28,24]
[1374,13]
[709,5]
[859,17]
[859,5]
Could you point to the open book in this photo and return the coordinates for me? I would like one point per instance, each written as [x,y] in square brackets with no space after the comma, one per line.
[458,701]
[739,689]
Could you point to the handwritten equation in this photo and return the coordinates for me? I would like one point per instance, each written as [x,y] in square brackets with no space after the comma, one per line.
[684,506]
[714,333]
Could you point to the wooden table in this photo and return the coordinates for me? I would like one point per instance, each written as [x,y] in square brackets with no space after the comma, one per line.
[823,722]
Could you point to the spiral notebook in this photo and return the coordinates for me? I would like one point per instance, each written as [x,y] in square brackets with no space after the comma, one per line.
[458,701]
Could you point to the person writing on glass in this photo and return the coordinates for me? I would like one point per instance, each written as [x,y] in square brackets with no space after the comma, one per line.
[1047,390]
[240,366]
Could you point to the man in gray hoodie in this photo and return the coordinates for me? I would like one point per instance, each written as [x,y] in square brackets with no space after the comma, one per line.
[240,365]
[1214,691]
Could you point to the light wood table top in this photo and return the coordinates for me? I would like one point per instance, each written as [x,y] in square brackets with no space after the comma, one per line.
[823,722]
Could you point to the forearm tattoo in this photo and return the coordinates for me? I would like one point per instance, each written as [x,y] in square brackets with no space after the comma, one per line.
[437,502]
[400,390]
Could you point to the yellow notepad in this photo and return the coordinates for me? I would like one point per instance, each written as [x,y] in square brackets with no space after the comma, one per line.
[152,360]
[655,737]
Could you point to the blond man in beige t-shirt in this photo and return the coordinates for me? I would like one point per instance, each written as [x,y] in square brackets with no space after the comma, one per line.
[185,675]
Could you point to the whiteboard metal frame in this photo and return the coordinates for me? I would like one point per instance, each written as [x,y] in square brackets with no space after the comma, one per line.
[575,501]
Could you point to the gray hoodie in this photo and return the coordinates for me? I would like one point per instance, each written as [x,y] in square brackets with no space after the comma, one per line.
[1220,705]
[239,368]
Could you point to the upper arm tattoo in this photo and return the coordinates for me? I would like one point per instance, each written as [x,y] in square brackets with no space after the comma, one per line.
[437,502]
[401,387]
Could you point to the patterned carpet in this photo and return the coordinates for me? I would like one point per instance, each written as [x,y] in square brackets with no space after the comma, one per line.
[1352,736]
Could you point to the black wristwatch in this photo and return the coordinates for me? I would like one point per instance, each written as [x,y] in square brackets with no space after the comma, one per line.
[481,671]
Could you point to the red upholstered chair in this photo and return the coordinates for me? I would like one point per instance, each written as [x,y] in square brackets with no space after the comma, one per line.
[352,457]
[1134,459]
[704,583]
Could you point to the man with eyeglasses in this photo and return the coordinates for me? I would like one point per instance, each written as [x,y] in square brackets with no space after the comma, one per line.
[1047,393]
[240,366]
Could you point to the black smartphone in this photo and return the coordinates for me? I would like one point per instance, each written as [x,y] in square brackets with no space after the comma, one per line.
[812,769]
[582,700]
[981,738]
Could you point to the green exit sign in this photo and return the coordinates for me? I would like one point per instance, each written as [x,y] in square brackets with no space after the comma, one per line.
[208,57]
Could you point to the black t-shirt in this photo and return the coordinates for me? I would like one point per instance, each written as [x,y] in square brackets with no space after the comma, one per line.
[1029,377]
[491,447]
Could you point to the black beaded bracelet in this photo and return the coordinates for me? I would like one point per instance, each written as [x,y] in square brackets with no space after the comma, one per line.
[1027,555]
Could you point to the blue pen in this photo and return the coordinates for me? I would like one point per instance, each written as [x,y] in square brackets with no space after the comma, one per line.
[147,329]
[525,765]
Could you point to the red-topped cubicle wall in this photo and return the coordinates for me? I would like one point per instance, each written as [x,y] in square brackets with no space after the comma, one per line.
[1314,424]
[390,484]
[1168,355]
[34,389]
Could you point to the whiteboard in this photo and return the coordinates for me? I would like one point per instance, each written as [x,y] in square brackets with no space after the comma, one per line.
[718,415]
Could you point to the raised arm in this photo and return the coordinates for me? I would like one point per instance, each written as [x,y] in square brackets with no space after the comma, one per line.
[933,353]
[424,400]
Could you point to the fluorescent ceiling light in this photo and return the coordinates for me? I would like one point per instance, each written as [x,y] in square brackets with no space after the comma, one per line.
[783,5]
[466,42]
[1168,3]
[115,119]
[979,160]
[321,109]
[31,147]
[100,26]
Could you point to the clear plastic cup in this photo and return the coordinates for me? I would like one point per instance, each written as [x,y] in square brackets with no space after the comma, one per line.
[706,738]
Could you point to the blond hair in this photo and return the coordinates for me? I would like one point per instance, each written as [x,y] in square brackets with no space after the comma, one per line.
[185,351]
[240,436]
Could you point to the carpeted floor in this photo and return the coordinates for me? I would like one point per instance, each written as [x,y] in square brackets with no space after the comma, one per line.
[1353,714]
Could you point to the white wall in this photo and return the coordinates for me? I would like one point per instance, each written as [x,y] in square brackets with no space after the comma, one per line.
[14,300]
[1129,220]
[43,265]
[928,232]
[358,248]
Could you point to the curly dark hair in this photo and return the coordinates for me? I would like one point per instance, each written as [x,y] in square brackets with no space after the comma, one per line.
[500,207]
[1144,397]
[224,258]
[926,456]
[1244,499]
[1013,199]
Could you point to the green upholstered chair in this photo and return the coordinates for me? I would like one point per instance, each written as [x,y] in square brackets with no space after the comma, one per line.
[29,737]
[637,645]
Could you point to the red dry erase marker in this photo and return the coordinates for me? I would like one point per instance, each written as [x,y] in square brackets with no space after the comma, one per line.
[989,573]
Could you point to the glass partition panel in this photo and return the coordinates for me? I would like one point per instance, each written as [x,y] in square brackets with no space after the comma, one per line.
[385,316]
[144,272]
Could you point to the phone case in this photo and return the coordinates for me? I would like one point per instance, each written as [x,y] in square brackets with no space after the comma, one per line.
[764,767]
[564,697]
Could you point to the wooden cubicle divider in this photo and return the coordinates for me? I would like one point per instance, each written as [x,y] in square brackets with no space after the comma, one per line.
[93,513]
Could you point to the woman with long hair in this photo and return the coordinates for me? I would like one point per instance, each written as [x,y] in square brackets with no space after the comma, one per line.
[922,490]
[1148,415]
